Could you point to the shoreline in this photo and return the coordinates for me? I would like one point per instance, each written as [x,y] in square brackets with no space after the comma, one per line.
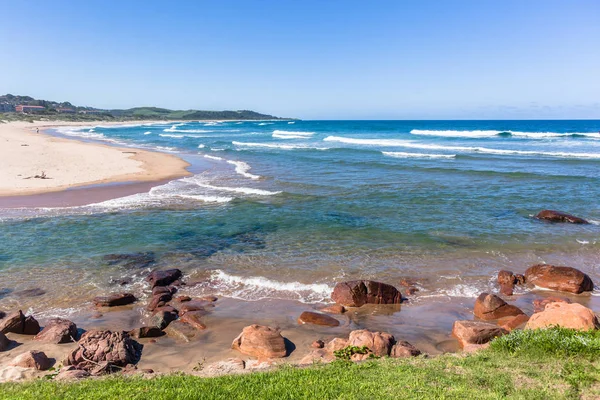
[74,164]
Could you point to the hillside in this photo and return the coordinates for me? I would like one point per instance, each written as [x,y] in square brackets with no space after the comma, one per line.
[54,110]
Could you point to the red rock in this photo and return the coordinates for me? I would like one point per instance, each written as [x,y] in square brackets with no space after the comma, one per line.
[32,359]
[520,278]
[164,278]
[161,290]
[100,351]
[403,349]
[411,290]
[12,322]
[334,309]
[490,306]
[193,305]
[159,300]
[193,318]
[4,342]
[336,344]
[540,304]
[71,373]
[358,293]
[260,341]
[183,299]
[408,282]
[318,344]
[308,317]
[476,332]
[163,317]
[564,279]
[146,332]
[30,326]
[380,343]
[512,323]
[225,367]
[181,331]
[209,298]
[113,300]
[56,331]
[572,316]
[507,281]
[558,216]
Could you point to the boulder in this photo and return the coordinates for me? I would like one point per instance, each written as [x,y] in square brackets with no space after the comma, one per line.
[164,278]
[512,323]
[194,305]
[181,331]
[476,332]
[56,331]
[146,332]
[32,359]
[193,318]
[507,281]
[159,300]
[308,317]
[334,309]
[104,351]
[4,342]
[403,349]
[260,341]
[162,289]
[71,373]
[490,306]
[164,316]
[13,322]
[336,344]
[380,343]
[358,293]
[564,279]
[30,326]
[540,304]
[113,300]
[558,216]
[572,316]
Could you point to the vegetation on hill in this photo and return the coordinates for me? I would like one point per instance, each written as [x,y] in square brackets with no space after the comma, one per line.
[52,112]
[551,364]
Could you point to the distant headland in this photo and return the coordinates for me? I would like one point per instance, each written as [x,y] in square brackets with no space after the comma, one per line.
[23,108]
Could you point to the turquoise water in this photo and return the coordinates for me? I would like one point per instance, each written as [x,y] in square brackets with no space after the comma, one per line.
[284,209]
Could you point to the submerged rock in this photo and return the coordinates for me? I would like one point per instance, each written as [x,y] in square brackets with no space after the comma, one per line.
[131,260]
[476,332]
[113,300]
[58,330]
[164,278]
[564,279]
[193,318]
[490,306]
[558,216]
[105,351]
[572,316]
[146,332]
[163,316]
[308,317]
[260,341]
[358,293]
[334,309]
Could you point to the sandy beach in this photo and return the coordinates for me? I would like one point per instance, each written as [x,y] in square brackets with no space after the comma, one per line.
[66,163]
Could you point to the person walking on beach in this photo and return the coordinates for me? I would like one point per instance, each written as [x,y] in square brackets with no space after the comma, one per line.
[37,130]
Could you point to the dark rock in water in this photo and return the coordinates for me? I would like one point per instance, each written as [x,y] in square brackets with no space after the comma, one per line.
[30,326]
[131,260]
[113,300]
[159,300]
[194,318]
[181,331]
[490,306]
[4,292]
[164,278]
[162,318]
[308,317]
[4,342]
[121,282]
[193,305]
[507,281]
[58,330]
[334,309]
[564,279]
[358,293]
[557,216]
[29,292]
[146,332]
[2,314]
[476,332]
[101,351]
[156,290]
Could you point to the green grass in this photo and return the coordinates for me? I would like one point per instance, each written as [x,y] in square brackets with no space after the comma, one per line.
[556,364]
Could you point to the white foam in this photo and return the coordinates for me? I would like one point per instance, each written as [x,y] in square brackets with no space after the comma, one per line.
[291,122]
[206,199]
[242,168]
[171,135]
[265,123]
[259,288]
[278,146]
[213,157]
[147,133]
[243,190]
[481,150]
[492,133]
[582,241]
[201,146]
[397,154]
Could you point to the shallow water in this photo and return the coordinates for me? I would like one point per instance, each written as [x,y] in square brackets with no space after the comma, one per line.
[280,210]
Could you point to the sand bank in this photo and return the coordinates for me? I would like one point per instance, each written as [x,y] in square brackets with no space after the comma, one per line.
[70,163]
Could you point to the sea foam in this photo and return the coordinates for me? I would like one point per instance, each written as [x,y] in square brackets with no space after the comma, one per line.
[496,133]
[398,154]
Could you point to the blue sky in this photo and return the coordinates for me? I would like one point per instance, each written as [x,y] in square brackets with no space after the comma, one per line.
[310,59]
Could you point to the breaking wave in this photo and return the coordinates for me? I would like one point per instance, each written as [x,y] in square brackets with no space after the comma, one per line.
[397,154]
[496,133]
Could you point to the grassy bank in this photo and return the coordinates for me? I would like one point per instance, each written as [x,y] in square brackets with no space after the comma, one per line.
[554,364]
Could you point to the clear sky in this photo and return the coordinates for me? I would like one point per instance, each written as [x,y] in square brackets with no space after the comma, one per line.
[323,59]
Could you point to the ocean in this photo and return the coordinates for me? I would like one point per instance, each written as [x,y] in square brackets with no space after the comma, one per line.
[282,210]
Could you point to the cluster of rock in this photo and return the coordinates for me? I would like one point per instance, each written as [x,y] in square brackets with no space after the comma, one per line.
[562,279]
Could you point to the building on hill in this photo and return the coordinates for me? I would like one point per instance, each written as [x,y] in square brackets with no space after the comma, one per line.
[63,110]
[22,108]
[6,107]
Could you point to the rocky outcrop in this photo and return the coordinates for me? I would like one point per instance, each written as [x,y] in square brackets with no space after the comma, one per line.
[558,216]
[572,316]
[16,322]
[564,279]
[32,359]
[113,300]
[358,293]
[380,343]
[58,330]
[104,351]
[164,278]
[403,349]
[336,344]
[159,300]
[490,306]
[476,332]
[507,281]
[260,341]
[308,317]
